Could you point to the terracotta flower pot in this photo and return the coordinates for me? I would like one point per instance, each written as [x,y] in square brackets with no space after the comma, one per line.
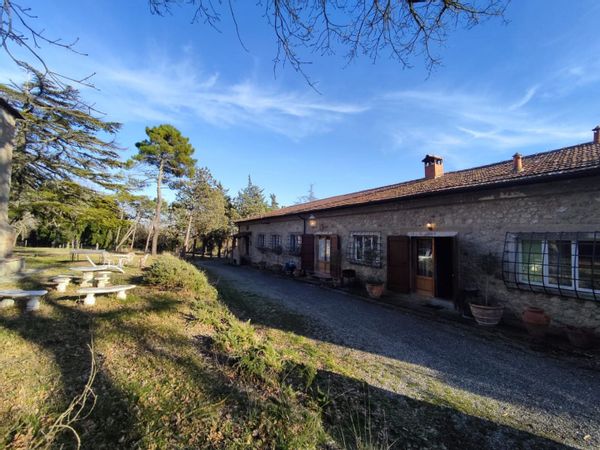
[536,321]
[485,315]
[375,290]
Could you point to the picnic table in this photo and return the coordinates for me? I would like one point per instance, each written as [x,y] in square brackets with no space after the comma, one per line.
[75,253]
[87,272]
[33,302]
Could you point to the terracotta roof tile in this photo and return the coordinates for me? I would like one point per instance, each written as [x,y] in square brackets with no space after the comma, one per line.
[567,160]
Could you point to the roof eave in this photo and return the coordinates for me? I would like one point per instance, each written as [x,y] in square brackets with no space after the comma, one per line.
[499,184]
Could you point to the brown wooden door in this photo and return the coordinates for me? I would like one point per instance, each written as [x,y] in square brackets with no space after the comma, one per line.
[324,254]
[307,253]
[336,257]
[398,264]
[425,267]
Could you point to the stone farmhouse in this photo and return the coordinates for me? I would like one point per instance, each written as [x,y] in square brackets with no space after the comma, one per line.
[536,217]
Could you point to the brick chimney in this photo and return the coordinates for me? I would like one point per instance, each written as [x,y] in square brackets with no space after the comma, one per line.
[517,162]
[434,166]
[596,135]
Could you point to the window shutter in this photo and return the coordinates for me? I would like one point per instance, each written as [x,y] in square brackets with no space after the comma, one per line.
[307,253]
[336,257]
[398,264]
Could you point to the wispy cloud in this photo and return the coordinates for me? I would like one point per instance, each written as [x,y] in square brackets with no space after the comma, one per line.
[177,91]
[466,125]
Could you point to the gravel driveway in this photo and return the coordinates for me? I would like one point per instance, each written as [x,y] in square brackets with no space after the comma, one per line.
[415,356]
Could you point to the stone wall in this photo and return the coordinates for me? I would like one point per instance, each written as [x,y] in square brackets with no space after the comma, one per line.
[480,220]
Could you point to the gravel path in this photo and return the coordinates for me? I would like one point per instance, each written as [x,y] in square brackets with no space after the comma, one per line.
[415,356]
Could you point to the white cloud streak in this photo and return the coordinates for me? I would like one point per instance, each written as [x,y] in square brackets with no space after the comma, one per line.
[175,92]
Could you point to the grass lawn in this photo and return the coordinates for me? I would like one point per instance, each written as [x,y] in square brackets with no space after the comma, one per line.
[177,369]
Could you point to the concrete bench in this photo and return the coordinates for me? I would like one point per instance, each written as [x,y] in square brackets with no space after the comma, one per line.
[102,278]
[33,298]
[90,292]
[62,282]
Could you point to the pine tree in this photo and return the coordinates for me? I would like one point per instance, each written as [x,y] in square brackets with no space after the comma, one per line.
[168,154]
[60,138]
[274,203]
[250,201]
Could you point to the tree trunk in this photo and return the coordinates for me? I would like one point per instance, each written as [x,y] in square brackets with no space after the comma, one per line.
[150,231]
[156,225]
[186,242]
[119,230]
[133,236]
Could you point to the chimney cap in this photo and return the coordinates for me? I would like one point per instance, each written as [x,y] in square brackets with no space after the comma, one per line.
[596,129]
[430,158]
[517,155]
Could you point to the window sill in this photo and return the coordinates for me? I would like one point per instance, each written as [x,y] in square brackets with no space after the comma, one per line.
[374,264]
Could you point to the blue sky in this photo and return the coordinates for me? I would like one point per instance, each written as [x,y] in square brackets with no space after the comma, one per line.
[530,85]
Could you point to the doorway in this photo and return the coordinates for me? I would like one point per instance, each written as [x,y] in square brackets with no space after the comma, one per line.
[423,264]
[425,269]
[324,254]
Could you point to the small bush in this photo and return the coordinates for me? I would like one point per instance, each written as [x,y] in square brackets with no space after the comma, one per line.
[170,272]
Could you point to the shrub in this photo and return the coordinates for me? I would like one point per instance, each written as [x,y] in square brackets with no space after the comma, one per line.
[170,272]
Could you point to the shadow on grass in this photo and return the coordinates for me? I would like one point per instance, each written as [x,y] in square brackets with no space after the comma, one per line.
[66,334]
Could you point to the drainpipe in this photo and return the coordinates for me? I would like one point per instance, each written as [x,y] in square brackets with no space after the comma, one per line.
[303,224]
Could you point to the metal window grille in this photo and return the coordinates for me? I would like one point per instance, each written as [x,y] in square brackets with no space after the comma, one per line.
[365,250]
[276,243]
[564,264]
[260,242]
[294,244]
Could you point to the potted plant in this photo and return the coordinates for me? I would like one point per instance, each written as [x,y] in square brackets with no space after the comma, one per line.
[374,287]
[487,314]
[536,321]
[348,277]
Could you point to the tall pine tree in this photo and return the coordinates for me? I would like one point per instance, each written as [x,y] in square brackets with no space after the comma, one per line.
[168,154]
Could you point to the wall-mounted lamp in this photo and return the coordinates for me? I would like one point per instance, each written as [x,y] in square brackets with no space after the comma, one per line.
[430,226]
[312,221]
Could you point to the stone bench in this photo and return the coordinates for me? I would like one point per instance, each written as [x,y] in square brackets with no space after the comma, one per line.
[33,298]
[62,282]
[90,292]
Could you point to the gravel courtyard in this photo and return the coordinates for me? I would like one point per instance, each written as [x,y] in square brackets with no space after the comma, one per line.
[421,358]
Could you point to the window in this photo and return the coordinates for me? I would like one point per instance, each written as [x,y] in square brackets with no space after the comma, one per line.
[294,244]
[365,249]
[588,256]
[275,243]
[565,264]
[260,243]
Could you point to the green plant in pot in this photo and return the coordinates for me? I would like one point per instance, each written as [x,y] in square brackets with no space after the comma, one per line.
[374,287]
[487,313]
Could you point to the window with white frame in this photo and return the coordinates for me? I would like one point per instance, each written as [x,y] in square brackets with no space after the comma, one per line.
[365,249]
[565,264]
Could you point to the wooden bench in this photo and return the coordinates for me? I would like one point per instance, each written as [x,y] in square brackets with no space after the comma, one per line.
[33,297]
[62,282]
[90,292]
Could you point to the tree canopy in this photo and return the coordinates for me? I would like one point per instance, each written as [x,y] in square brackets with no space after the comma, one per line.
[60,137]
[250,201]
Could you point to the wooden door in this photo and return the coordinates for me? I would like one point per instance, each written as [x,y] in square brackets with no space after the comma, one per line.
[324,254]
[398,264]
[307,253]
[425,267]
[336,257]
